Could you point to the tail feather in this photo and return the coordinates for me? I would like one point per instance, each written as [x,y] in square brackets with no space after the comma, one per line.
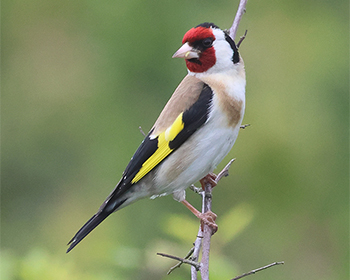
[110,205]
[87,228]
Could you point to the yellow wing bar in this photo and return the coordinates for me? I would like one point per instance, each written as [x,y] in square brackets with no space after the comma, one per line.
[163,149]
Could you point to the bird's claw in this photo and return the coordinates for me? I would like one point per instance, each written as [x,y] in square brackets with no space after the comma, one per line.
[209,179]
[209,218]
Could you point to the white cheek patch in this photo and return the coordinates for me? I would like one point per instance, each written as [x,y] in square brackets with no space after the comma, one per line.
[219,34]
[223,53]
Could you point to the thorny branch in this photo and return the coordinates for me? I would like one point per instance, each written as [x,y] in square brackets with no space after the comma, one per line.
[204,236]
[207,231]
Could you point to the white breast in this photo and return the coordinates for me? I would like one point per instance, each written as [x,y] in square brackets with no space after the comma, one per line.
[201,153]
[208,146]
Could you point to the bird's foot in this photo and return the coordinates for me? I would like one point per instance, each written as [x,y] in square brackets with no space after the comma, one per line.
[209,218]
[209,179]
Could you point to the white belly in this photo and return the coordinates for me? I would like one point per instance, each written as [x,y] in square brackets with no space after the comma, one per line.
[201,153]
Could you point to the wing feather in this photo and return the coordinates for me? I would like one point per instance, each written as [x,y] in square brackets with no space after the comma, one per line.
[163,149]
[156,147]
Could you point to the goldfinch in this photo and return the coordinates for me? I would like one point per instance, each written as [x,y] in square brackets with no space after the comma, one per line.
[194,132]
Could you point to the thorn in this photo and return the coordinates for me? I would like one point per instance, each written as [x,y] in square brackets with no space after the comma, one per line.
[224,172]
[243,126]
[242,37]
[140,128]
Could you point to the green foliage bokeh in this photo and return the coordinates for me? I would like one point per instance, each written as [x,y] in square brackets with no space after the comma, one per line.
[79,78]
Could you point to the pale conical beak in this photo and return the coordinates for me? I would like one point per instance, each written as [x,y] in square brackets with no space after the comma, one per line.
[187,52]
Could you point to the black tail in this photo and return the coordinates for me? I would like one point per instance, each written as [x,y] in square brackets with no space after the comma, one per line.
[110,205]
[87,228]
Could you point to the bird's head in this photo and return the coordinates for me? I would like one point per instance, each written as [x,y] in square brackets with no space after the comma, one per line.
[207,48]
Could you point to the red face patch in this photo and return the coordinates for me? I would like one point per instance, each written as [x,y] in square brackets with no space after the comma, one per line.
[206,61]
[207,57]
[198,33]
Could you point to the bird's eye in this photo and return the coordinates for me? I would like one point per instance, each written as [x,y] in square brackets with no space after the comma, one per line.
[207,42]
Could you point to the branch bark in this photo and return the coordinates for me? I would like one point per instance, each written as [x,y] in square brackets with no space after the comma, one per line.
[196,251]
[240,11]
[204,236]
[207,232]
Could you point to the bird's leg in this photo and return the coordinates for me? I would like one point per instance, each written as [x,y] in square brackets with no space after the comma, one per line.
[207,217]
[209,179]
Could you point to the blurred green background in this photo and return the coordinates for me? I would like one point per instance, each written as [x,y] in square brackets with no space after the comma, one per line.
[79,78]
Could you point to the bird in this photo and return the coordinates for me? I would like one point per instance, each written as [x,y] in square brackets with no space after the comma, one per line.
[193,133]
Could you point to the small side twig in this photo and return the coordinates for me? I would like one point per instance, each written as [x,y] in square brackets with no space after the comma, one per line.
[243,126]
[195,189]
[242,38]
[224,172]
[257,270]
[142,132]
[189,254]
[182,260]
